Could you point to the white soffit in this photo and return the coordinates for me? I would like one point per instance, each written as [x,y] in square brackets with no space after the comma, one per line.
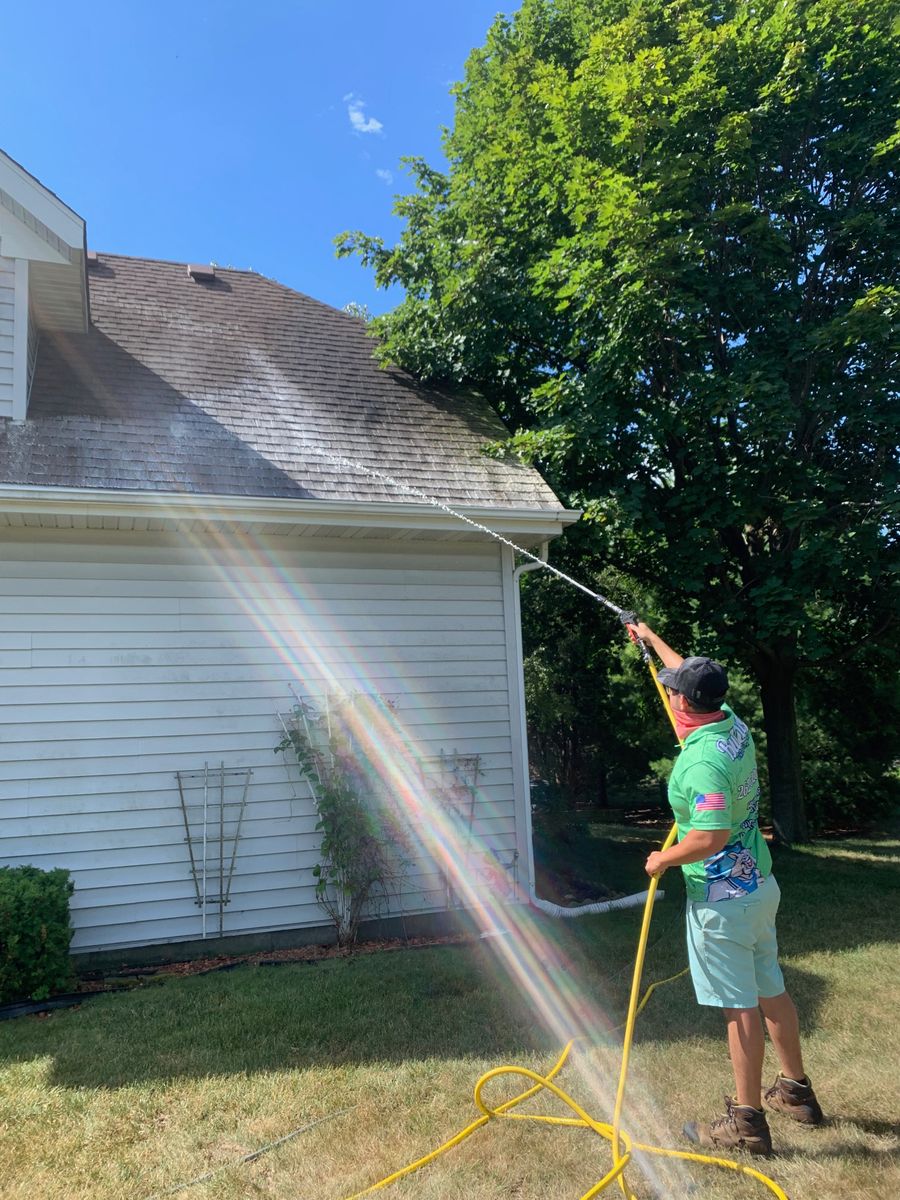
[37,227]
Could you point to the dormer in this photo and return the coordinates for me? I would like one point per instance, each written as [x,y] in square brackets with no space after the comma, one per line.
[43,278]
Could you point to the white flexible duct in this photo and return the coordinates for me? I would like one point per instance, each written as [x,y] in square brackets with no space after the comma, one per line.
[602,906]
[638,899]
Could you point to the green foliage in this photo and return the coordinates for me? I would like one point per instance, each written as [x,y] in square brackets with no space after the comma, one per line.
[364,842]
[850,725]
[597,731]
[667,245]
[594,721]
[35,932]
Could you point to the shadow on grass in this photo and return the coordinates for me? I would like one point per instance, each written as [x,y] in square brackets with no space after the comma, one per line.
[867,1125]
[399,1007]
[850,1151]
[447,1002]
[828,902]
[831,903]
[441,1003]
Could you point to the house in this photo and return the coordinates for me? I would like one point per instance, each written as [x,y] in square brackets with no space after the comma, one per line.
[185,548]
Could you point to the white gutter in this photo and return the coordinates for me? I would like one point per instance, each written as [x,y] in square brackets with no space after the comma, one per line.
[181,506]
[638,899]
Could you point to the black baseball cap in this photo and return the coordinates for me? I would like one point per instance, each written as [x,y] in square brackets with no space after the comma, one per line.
[700,679]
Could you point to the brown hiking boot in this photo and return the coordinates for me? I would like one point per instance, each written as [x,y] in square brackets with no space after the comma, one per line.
[741,1128]
[795,1099]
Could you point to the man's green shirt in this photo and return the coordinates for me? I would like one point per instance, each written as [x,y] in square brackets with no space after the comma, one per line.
[715,785]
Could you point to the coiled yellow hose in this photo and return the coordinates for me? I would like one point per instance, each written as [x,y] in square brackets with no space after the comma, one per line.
[621,1143]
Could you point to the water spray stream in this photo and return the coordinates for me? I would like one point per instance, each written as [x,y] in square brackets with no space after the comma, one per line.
[340,460]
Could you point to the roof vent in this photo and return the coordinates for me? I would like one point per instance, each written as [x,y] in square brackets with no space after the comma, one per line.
[201,272]
[92,259]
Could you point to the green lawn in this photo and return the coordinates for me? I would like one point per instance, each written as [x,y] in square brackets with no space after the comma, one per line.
[135,1093]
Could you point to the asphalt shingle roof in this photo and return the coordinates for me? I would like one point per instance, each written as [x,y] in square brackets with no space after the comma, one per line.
[230,388]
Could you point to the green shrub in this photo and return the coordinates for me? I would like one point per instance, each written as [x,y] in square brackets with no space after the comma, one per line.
[35,932]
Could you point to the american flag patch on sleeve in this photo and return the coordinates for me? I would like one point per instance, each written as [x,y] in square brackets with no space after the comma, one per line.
[710,801]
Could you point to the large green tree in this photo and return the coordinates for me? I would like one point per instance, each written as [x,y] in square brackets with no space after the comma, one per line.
[667,246]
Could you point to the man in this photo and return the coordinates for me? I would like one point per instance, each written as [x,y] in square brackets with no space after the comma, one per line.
[732,901]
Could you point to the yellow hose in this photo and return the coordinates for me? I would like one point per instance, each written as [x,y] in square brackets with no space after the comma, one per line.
[621,1144]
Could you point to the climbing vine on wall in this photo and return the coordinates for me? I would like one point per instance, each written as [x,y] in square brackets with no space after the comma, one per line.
[364,849]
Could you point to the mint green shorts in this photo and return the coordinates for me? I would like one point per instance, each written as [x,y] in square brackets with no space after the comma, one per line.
[733,950]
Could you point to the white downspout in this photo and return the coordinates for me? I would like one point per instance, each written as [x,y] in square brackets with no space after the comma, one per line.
[546,906]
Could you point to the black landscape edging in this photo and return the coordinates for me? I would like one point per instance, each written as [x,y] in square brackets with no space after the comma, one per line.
[27,1008]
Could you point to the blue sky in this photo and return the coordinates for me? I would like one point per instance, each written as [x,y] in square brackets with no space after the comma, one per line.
[248,134]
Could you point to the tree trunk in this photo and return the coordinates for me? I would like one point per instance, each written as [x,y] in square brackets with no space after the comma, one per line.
[777,676]
[602,789]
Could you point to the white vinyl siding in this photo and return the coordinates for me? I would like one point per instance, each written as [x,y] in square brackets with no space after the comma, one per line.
[125,658]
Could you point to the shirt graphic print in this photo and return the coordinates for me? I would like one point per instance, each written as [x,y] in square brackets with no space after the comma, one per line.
[715,786]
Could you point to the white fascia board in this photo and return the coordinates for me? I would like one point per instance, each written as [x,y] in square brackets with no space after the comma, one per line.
[41,202]
[36,225]
[179,506]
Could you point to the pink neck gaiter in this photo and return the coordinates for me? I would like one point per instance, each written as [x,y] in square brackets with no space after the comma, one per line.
[686,723]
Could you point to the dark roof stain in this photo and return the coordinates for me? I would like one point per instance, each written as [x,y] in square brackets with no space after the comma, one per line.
[242,387]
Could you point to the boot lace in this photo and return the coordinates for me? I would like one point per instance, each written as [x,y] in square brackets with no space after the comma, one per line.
[727,1120]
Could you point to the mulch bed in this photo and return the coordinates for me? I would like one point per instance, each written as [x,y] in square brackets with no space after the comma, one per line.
[93,981]
[125,978]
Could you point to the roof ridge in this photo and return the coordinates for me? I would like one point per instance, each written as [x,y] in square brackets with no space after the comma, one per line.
[170,262]
[177,262]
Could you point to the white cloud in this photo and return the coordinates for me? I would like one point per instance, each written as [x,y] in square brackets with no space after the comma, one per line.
[358,119]
[385,176]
